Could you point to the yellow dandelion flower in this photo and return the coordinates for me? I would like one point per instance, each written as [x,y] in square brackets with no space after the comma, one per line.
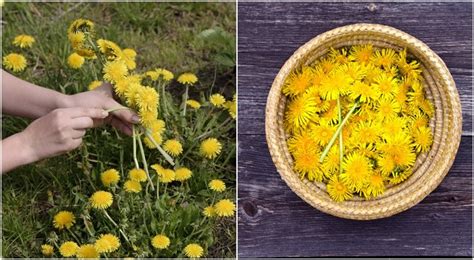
[224,208]
[298,82]
[386,85]
[101,199]
[331,163]
[193,251]
[138,175]
[64,219]
[335,85]
[393,127]
[209,211]
[299,111]
[337,190]
[427,107]
[15,62]
[173,147]
[128,55]
[418,119]
[400,177]
[147,117]
[321,105]
[361,53]
[399,149]
[107,243]
[217,100]
[152,74]
[307,165]
[385,58]
[147,98]
[115,71]
[68,249]
[301,141]
[158,168]
[423,138]
[327,65]
[110,49]
[94,84]
[409,69]
[364,92]
[232,108]
[353,70]
[110,177]
[331,115]
[210,148]
[167,175]
[356,171]
[388,108]
[87,251]
[75,61]
[165,74]
[339,55]
[375,186]
[193,103]
[187,78]
[322,133]
[81,25]
[217,185]
[367,132]
[47,250]
[160,242]
[386,165]
[24,41]
[132,186]
[157,137]
[77,40]
[182,174]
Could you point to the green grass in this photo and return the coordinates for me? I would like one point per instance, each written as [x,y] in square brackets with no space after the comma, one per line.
[197,37]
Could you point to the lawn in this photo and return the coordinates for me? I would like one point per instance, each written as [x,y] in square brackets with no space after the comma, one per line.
[181,37]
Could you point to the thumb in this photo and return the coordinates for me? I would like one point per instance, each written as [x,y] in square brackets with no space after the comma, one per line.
[125,115]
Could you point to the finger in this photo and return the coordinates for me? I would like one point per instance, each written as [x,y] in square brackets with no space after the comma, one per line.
[78,134]
[124,128]
[86,112]
[125,115]
[80,123]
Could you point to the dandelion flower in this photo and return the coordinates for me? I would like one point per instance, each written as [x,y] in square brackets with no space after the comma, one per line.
[232,108]
[224,208]
[356,171]
[138,175]
[132,186]
[64,219]
[375,186]
[152,74]
[15,62]
[147,99]
[81,25]
[75,61]
[335,85]
[47,250]
[128,55]
[107,243]
[158,168]
[322,133]
[115,71]
[193,103]
[399,149]
[193,251]
[400,177]
[187,79]
[386,85]
[364,92]
[388,108]
[87,251]
[300,111]
[337,190]
[301,141]
[23,41]
[94,84]
[307,165]
[167,176]
[385,164]
[422,138]
[182,174]
[110,49]
[165,74]
[68,249]
[209,211]
[210,148]
[367,132]
[101,199]
[385,58]
[298,82]
[339,56]
[361,53]
[217,100]
[331,162]
[110,177]
[173,147]
[160,242]
[217,185]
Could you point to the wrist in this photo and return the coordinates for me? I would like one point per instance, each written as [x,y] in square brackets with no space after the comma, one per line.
[17,150]
[64,101]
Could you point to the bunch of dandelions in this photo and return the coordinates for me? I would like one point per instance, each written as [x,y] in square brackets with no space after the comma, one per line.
[15,61]
[357,119]
[123,198]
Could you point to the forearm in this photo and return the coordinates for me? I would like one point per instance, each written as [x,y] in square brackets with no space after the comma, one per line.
[22,98]
[15,152]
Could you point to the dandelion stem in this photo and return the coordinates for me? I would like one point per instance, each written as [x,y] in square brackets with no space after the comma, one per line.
[116,225]
[142,152]
[73,235]
[163,152]
[163,97]
[110,110]
[334,137]
[341,145]
[135,147]
[185,99]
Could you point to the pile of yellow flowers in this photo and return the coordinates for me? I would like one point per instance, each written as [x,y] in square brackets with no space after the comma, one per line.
[357,119]
[141,92]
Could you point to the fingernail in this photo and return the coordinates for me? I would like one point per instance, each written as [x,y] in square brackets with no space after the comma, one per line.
[105,113]
[135,119]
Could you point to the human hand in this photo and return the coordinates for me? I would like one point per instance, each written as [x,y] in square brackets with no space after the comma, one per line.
[57,132]
[102,97]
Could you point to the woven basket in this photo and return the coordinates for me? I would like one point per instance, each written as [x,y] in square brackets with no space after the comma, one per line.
[430,168]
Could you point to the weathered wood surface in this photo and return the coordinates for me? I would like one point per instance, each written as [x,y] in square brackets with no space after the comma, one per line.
[273,221]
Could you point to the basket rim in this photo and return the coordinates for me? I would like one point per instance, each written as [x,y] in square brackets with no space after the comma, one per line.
[351,209]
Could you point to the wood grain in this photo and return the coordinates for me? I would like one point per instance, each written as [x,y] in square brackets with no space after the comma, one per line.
[273,221]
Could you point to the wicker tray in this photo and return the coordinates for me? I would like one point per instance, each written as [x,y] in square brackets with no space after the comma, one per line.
[430,168]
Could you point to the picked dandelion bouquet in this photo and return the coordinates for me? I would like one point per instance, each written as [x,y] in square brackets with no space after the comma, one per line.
[175,197]
[358,119]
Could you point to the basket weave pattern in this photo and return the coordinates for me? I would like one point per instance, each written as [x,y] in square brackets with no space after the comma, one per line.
[430,168]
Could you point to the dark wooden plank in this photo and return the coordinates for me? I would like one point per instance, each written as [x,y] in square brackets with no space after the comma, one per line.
[273,221]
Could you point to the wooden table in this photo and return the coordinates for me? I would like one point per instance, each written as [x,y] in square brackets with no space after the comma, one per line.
[273,221]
